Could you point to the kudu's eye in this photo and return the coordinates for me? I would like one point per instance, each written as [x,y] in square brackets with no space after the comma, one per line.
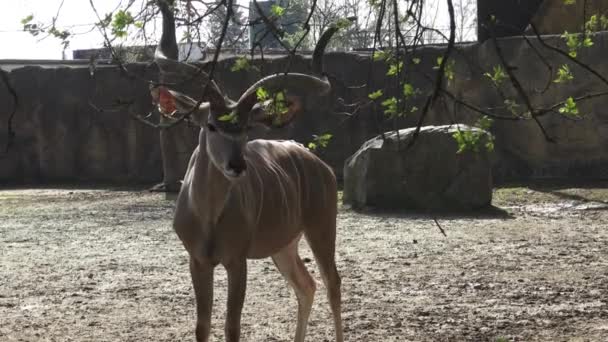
[211,128]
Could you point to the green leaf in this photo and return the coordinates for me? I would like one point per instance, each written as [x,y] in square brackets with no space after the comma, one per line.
[390,106]
[33,29]
[485,122]
[512,106]
[471,140]
[574,43]
[448,69]
[121,22]
[603,23]
[375,95]
[409,90]
[229,117]
[63,35]
[587,42]
[261,94]
[569,2]
[395,69]
[383,55]
[27,19]
[241,63]
[343,23]
[569,108]
[564,74]
[592,24]
[324,139]
[498,75]
[439,60]
[490,145]
[374,3]
[278,105]
[319,141]
[277,10]
[416,60]
[596,23]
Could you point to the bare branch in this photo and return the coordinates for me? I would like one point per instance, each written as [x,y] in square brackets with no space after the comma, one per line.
[440,74]
[10,132]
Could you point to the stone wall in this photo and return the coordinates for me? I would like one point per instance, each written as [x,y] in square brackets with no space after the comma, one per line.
[61,137]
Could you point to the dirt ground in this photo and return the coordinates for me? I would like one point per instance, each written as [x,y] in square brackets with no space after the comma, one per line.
[105,265]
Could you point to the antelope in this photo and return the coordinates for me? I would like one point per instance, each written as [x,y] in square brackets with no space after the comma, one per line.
[243,199]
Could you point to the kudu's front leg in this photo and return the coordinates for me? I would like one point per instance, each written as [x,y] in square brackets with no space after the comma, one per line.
[202,280]
[237,285]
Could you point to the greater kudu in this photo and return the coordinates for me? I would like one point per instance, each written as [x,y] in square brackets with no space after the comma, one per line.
[245,199]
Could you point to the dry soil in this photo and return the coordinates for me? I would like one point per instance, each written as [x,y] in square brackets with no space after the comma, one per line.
[105,265]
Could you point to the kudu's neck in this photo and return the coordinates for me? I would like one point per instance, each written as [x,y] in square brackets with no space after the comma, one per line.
[209,183]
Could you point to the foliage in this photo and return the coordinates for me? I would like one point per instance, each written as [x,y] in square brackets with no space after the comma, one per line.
[390,106]
[395,69]
[564,74]
[392,30]
[242,63]
[498,75]
[597,23]
[291,39]
[319,141]
[121,22]
[512,106]
[277,10]
[471,140]
[229,117]
[448,71]
[375,95]
[569,108]
[36,29]
[574,42]
[275,103]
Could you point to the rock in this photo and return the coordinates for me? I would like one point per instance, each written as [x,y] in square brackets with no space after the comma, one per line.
[430,175]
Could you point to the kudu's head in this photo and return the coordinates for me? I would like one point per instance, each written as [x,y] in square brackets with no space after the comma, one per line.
[273,101]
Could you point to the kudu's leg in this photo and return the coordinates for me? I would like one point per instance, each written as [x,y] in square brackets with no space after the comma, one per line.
[202,280]
[237,285]
[322,242]
[292,268]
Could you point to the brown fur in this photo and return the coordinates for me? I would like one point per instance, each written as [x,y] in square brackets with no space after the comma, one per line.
[287,192]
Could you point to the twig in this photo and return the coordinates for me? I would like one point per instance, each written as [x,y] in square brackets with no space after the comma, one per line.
[440,74]
[10,132]
[519,89]
[439,226]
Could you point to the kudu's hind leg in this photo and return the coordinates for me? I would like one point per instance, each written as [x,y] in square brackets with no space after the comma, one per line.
[322,242]
[292,268]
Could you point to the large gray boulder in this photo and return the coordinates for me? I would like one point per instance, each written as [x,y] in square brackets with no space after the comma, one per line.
[386,174]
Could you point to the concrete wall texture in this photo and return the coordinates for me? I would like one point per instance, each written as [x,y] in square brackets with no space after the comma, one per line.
[61,137]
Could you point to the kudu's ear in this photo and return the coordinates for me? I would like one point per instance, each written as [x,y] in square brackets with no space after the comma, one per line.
[276,113]
[170,102]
